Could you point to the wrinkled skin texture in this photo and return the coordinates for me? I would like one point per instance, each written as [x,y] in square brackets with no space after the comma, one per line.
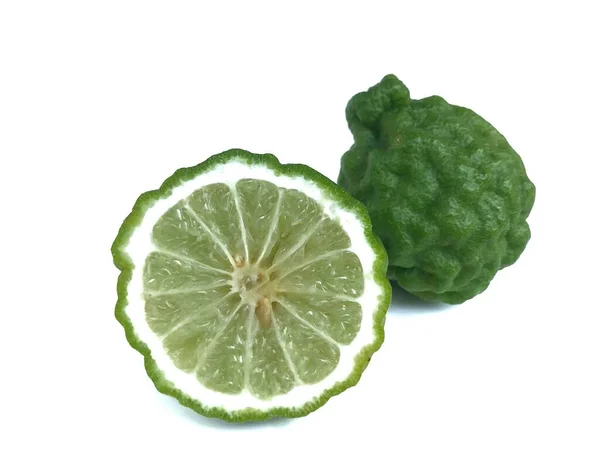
[447,194]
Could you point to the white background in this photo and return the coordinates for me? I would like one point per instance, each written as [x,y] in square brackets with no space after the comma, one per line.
[100,101]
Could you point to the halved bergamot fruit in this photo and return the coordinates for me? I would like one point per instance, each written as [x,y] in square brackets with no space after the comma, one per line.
[253,289]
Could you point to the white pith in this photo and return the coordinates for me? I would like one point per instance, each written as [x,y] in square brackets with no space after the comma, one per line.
[140,245]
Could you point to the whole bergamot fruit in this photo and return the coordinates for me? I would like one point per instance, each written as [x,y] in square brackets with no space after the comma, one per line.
[447,194]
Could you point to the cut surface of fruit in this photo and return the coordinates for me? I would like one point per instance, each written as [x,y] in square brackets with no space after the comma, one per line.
[253,289]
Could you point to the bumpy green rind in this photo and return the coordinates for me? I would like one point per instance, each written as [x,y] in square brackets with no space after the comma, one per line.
[126,266]
[447,194]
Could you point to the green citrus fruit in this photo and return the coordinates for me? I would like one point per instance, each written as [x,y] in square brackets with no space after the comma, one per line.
[253,289]
[447,194]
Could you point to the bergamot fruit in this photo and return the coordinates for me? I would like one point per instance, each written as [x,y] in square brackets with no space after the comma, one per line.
[252,288]
[447,194]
